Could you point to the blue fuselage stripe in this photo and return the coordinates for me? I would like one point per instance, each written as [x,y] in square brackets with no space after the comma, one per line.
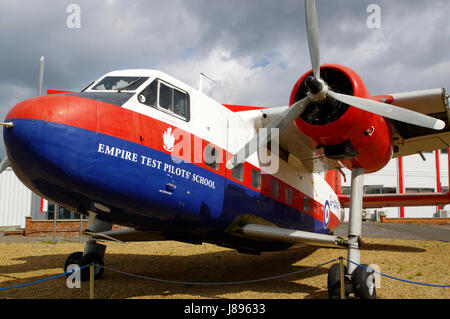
[137,180]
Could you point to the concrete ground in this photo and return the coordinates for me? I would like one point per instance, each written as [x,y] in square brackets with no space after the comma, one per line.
[399,231]
[369,230]
[23,239]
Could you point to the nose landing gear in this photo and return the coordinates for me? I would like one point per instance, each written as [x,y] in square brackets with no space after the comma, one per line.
[93,251]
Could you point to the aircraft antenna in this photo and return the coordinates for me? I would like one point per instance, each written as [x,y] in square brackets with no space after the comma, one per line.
[41,75]
[200,82]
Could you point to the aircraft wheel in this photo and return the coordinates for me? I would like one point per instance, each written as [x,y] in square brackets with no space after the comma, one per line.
[90,258]
[334,282]
[74,258]
[364,283]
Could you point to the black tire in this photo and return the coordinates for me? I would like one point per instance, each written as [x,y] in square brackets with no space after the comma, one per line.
[364,283]
[74,258]
[334,282]
[91,258]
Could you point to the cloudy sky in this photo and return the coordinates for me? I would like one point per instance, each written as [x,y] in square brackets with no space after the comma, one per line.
[255,50]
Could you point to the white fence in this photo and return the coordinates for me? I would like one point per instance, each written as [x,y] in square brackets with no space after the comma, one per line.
[15,200]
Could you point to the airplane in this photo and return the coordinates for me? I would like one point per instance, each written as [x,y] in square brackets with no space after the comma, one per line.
[141,149]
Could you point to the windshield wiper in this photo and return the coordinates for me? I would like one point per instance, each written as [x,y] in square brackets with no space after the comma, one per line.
[119,90]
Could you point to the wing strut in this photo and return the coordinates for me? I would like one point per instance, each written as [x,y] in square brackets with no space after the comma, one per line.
[289,235]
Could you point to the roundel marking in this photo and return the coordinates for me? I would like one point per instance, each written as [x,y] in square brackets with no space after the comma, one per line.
[326,214]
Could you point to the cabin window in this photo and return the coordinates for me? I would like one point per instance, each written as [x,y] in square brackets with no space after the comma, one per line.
[238,172]
[212,157]
[166,98]
[180,103]
[275,188]
[288,195]
[256,178]
[306,204]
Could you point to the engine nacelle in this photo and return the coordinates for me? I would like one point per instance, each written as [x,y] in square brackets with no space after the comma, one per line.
[354,137]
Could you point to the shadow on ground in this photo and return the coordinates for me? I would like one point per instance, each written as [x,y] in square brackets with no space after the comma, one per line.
[388,247]
[222,267]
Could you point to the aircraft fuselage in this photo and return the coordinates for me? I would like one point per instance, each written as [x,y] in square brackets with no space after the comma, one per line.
[106,147]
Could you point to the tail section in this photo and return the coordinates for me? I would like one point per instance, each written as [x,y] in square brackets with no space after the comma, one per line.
[333,178]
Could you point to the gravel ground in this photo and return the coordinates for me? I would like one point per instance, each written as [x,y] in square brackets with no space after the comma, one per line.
[415,260]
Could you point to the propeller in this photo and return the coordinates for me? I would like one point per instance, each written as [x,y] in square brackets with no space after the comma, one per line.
[390,111]
[318,91]
[264,136]
[312,29]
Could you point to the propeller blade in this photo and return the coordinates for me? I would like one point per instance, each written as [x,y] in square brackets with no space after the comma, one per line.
[4,164]
[264,136]
[390,111]
[312,28]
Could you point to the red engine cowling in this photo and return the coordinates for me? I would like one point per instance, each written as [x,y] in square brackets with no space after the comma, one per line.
[354,137]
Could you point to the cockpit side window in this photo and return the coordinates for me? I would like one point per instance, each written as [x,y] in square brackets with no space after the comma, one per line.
[149,95]
[114,83]
[166,98]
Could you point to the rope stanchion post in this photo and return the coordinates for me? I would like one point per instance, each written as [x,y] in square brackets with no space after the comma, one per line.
[341,277]
[56,211]
[91,281]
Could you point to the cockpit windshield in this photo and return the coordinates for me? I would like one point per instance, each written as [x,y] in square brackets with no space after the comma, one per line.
[119,83]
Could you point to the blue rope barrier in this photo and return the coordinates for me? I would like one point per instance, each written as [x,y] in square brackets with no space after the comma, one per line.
[42,280]
[225,283]
[404,280]
[218,283]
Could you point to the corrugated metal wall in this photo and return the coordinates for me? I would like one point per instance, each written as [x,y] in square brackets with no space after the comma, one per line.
[15,200]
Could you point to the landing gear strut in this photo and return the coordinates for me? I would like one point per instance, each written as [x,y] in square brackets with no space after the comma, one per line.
[93,251]
[357,280]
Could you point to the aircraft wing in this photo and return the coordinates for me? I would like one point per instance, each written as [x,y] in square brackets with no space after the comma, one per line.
[411,139]
[399,200]
[408,139]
